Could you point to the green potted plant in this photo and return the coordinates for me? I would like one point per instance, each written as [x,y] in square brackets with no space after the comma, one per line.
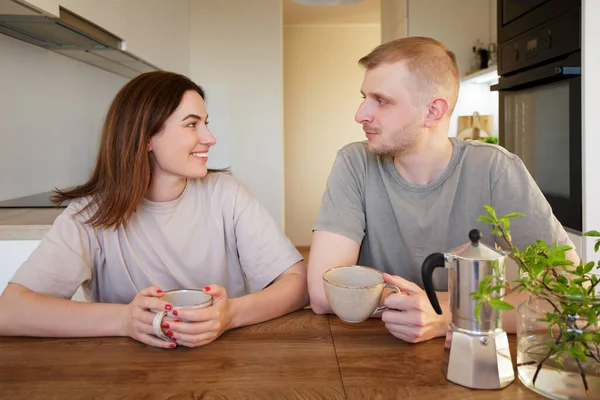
[558,340]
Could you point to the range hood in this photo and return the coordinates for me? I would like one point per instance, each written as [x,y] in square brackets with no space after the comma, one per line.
[72,36]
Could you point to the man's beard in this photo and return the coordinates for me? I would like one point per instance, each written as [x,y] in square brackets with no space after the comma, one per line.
[403,140]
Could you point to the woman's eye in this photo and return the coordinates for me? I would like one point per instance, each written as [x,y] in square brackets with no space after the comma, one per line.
[191,125]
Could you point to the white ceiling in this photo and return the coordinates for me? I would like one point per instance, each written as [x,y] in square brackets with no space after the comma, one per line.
[364,12]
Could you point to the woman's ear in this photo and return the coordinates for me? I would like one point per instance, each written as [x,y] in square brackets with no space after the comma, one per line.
[149,147]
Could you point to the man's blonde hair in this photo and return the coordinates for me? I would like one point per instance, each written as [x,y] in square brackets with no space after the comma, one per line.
[428,61]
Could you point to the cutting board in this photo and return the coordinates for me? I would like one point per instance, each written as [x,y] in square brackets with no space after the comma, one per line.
[486,123]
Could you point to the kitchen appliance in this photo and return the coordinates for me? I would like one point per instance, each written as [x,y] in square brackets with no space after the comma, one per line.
[476,354]
[540,97]
[70,35]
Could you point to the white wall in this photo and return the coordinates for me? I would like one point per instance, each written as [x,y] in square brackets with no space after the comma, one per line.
[52,107]
[456,23]
[237,44]
[51,110]
[591,124]
[475,97]
[322,81]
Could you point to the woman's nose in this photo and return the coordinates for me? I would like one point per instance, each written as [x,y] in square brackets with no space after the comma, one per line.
[206,137]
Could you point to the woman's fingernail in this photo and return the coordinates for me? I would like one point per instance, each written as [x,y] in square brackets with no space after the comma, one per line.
[169,333]
[175,312]
[172,345]
[165,325]
[159,291]
[169,307]
[174,339]
[207,288]
[177,320]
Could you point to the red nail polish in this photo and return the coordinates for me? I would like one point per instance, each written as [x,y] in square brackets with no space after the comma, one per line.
[174,339]
[169,333]
[169,307]
[175,313]
[177,320]
[207,288]
[172,345]
[159,291]
[165,325]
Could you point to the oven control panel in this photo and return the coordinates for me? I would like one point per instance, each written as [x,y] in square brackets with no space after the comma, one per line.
[553,40]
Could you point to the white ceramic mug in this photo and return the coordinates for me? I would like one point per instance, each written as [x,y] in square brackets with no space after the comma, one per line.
[354,292]
[183,299]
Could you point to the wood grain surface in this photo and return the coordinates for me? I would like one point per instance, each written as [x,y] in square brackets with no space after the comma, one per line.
[298,356]
[376,365]
[291,357]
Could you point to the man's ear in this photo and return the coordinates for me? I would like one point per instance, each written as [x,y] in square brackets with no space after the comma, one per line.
[438,109]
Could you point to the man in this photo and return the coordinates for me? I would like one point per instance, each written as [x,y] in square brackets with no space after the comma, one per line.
[409,190]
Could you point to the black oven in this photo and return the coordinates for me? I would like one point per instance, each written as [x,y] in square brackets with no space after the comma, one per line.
[540,97]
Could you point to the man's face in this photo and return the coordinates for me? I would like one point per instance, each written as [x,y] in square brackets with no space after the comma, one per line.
[388,114]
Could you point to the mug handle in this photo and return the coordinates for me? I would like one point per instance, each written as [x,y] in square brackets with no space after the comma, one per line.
[383,308]
[157,325]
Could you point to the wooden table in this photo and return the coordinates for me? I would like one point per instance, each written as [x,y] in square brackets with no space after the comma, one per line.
[298,356]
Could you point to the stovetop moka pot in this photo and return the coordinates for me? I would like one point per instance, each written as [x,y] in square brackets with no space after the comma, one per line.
[476,354]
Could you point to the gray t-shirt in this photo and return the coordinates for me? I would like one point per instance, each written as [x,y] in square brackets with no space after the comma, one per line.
[216,232]
[399,224]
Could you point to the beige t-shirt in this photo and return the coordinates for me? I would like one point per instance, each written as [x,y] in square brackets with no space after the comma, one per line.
[216,232]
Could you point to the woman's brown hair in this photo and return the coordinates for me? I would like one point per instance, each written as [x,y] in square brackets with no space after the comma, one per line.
[123,168]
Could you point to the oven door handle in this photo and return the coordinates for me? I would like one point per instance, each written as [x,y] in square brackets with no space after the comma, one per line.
[536,77]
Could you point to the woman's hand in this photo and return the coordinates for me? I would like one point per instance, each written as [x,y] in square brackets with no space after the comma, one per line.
[206,324]
[136,318]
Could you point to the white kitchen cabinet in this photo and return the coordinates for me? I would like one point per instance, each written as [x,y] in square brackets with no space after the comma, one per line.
[12,254]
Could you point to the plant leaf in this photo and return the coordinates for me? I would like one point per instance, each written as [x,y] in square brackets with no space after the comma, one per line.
[478,310]
[491,211]
[486,219]
[588,267]
[592,233]
[500,305]
[498,287]
[513,215]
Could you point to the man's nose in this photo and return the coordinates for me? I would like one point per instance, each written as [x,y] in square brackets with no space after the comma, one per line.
[362,114]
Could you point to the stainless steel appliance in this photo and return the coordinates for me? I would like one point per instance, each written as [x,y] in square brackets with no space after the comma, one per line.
[540,97]
[476,354]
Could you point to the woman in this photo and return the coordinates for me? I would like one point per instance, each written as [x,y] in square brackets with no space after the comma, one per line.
[152,218]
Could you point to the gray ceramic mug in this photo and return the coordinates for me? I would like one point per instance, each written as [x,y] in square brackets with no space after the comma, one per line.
[183,299]
[354,292]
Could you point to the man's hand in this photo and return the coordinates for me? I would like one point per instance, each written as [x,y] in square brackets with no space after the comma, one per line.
[410,315]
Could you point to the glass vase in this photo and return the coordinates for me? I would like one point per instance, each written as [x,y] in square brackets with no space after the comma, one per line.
[547,352]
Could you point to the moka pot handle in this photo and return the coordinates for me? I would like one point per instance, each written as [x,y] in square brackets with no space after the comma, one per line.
[432,262]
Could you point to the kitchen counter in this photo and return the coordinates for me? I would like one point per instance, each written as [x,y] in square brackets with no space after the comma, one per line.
[26,223]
